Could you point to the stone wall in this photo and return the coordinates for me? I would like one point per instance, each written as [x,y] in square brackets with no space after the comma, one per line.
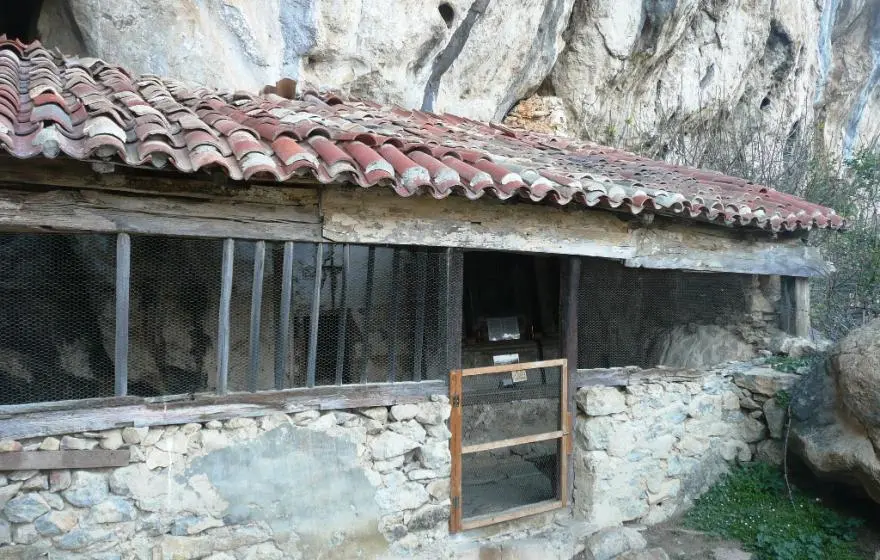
[356,483]
[645,451]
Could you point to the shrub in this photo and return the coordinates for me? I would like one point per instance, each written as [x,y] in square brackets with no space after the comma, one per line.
[751,505]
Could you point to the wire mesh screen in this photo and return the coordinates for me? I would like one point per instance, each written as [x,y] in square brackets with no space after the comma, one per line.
[383,315]
[502,479]
[57,296]
[510,405]
[173,316]
[624,313]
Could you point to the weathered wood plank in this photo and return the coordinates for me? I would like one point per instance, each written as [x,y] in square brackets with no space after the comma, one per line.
[343,320]
[282,341]
[315,318]
[68,459]
[205,407]
[701,248]
[455,444]
[509,515]
[123,281]
[379,216]
[256,314]
[802,307]
[80,175]
[622,377]
[223,322]
[60,210]
[511,442]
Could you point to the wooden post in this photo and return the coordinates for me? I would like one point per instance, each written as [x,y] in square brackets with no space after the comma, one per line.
[343,320]
[282,341]
[454,306]
[421,286]
[256,314]
[395,314]
[802,307]
[368,310]
[315,316]
[123,286]
[223,323]
[568,298]
[455,515]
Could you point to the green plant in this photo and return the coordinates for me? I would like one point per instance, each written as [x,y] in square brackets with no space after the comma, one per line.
[751,505]
[787,364]
[783,398]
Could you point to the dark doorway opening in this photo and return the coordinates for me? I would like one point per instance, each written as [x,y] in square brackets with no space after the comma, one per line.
[18,19]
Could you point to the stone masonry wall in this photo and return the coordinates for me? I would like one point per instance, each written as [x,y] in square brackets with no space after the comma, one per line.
[359,483]
[644,452]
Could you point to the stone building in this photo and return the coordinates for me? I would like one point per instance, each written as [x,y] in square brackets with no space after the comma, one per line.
[231,323]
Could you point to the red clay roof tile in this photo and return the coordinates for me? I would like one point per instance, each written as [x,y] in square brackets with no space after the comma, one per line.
[86,108]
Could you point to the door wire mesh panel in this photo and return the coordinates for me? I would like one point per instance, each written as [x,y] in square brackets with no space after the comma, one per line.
[501,479]
[495,407]
[174,306]
[624,313]
[57,295]
[511,435]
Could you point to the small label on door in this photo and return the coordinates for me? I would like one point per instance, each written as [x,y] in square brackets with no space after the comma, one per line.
[519,376]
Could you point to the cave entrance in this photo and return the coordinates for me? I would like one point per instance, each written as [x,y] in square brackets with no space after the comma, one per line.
[509,401]
[18,19]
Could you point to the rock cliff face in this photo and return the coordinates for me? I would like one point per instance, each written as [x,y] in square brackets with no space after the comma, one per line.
[624,70]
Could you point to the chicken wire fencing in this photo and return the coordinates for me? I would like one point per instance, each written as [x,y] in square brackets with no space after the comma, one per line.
[510,446]
[626,316]
[57,298]
[296,315]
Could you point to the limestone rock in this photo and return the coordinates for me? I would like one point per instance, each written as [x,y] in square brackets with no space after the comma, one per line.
[5,532]
[56,523]
[86,489]
[53,500]
[82,537]
[831,443]
[409,429]
[78,444]
[765,381]
[25,533]
[439,489]
[378,413]
[775,418]
[731,554]
[600,401]
[112,510]
[402,412]
[610,543]
[7,445]
[59,480]
[50,444]
[25,508]
[112,440]
[433,413]
[134,436]
[435,456]
[855,366]
[770,451]
[427,517]
[408,495]
[194,525]
[390,444]
[647,554]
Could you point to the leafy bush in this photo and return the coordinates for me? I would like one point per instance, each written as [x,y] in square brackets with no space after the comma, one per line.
[787,364]
[751,505]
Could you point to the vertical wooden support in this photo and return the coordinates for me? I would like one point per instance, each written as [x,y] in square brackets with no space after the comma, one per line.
[282,341]
[123,287]
[223,323]
[454,306]
[315,316]
[343,320]
[455,515]
[802,307]
[568,298]
[368,310]
[256,314]
[395,314]
[563,448]
[421,286]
